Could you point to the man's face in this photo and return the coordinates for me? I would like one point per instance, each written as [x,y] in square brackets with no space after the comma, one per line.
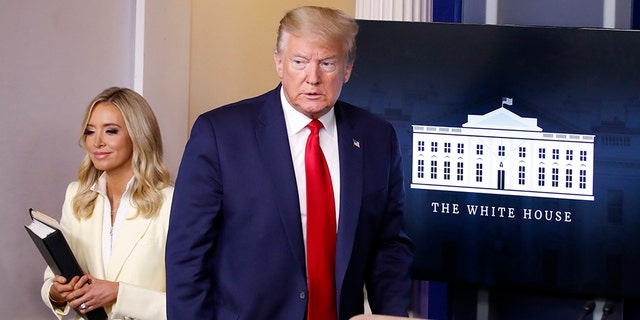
[312,72]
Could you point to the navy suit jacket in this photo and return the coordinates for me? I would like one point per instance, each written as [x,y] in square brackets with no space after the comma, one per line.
[235,248]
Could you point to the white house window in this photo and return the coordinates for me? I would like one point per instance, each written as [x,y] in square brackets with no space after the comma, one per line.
[583,155]
[569,155]
[521,175]
[583,179]
[447,170]
[434,169]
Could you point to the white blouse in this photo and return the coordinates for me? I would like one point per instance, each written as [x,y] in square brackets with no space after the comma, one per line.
[109,231]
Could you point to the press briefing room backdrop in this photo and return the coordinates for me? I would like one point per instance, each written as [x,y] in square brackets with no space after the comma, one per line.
[440,83]
[185,57]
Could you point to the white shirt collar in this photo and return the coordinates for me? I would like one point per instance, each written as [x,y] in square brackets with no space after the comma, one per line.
[101,185]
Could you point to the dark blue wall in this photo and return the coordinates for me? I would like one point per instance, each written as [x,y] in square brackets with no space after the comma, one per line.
[447,10]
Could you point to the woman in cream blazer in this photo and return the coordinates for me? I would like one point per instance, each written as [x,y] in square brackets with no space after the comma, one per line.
[116,216]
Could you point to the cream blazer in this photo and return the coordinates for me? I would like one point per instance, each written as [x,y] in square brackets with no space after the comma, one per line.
[137,259]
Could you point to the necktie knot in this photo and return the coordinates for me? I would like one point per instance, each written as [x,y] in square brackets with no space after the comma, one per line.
[315,125]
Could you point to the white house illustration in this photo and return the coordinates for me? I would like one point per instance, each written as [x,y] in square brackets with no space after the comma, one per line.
[503,153]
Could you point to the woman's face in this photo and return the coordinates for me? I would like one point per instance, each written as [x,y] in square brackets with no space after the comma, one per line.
[107,140]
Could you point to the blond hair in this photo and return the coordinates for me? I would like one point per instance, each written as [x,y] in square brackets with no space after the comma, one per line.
[326,23]
[151,174]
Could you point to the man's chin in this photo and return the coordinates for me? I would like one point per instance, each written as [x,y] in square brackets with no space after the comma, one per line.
[314,110]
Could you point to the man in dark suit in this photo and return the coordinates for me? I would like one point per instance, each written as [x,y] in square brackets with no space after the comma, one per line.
[238,242]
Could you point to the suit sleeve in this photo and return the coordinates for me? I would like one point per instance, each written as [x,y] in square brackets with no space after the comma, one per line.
[44,294]
[191,239]
[389,281]
[139,303]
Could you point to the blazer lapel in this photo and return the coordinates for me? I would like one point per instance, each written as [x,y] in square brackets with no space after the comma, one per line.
[349,145]
[129,235]
[273,142]
[92,229]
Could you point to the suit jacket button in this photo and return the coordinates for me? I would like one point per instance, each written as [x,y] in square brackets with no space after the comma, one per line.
[303,295]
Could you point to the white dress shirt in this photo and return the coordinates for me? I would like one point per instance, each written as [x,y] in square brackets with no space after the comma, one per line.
[109,231]
[298,133]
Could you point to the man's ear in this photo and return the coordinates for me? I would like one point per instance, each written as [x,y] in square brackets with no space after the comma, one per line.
[347,72]
[277,58]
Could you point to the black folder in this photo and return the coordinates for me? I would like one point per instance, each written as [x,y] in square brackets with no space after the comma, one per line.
[54,248]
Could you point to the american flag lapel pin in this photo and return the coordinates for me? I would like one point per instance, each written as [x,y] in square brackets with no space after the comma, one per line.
[356,143]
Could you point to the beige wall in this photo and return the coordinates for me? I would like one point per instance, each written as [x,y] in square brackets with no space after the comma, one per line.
[232,46]
[166,72]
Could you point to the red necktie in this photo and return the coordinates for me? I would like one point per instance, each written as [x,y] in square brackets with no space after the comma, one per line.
[321,230]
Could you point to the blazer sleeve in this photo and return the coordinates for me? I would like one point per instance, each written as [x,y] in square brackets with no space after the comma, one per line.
[139,303]
[389,279]
[192,228]
[44,293]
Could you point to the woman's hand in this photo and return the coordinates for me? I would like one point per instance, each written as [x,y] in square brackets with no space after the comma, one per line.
[90,293]
[60,290]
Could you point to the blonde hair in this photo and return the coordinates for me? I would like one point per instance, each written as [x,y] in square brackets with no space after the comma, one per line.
[151,175]
[329,24]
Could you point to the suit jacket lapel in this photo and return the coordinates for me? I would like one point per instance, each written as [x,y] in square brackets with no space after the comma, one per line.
[273,142]
[92,231]
[350,190]
[129,235]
